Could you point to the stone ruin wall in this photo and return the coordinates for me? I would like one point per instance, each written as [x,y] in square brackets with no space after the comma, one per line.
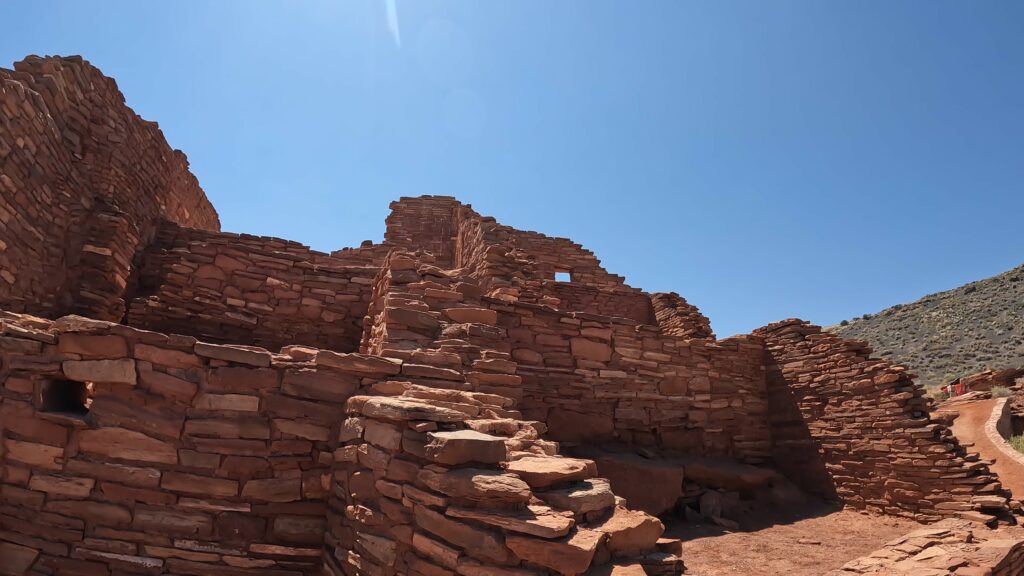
[98,216]
[858,427]
[203,459]
[83,182]
[244,289]
[677,317]
[193,456]
[590,378]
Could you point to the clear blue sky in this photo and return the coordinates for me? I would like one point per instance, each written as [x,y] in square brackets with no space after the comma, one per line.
[764,159]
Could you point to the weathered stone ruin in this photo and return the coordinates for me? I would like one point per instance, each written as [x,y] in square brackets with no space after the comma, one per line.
[180,400]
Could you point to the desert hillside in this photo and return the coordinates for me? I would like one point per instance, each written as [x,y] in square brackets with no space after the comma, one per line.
[976,326]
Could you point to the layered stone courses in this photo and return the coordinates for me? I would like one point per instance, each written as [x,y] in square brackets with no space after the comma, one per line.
[858,427]
[237,404]
[84,180]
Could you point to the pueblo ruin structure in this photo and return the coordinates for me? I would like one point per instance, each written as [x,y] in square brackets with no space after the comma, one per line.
[179,400]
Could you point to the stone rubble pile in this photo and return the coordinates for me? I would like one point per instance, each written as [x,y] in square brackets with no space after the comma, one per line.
[438,482]
[948,548]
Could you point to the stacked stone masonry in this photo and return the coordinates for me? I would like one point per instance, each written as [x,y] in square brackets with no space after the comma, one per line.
[432,481]
[83,180]
[847,424]
[187,401]
[247,289]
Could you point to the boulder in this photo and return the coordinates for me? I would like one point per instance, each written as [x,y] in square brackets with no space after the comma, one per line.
[631,532]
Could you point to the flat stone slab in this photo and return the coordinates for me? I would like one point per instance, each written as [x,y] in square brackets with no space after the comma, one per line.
[463,446]
[571,554]
[477,485]
[403,409]
[726,474]
[541,472]
[581,497]
[534,520]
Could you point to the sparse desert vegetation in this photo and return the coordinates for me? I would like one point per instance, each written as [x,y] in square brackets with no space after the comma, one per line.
[953,333]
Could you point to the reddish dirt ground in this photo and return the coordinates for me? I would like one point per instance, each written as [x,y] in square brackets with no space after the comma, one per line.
[969,428]
[822,541]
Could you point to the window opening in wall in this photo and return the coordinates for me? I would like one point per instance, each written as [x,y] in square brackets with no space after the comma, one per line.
[563,275]
[67,397]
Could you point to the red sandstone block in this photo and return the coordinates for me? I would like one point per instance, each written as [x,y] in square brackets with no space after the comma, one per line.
[249,427]
[359,363]
[302,429]
[167,385]
[93,347]
[120,493]
[424,371]
[235,466]
[162,552]
[319,385]
[166,357]
[472,315]
[238,379]
[273,489]
[240,354]
[72,566]
[32,454]
[235,402]
[105,371]
[195,484]
[291,447]
[299,530]
[30,427]
[172,522]
[231,446]
[132,475]
[288,407]
[133,413]
[123,444]
[62,486]
[95,512]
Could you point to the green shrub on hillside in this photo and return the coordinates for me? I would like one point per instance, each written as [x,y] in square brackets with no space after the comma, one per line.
[1000,392]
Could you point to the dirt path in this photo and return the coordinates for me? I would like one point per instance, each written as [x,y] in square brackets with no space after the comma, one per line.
[807,547]
[969,428]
